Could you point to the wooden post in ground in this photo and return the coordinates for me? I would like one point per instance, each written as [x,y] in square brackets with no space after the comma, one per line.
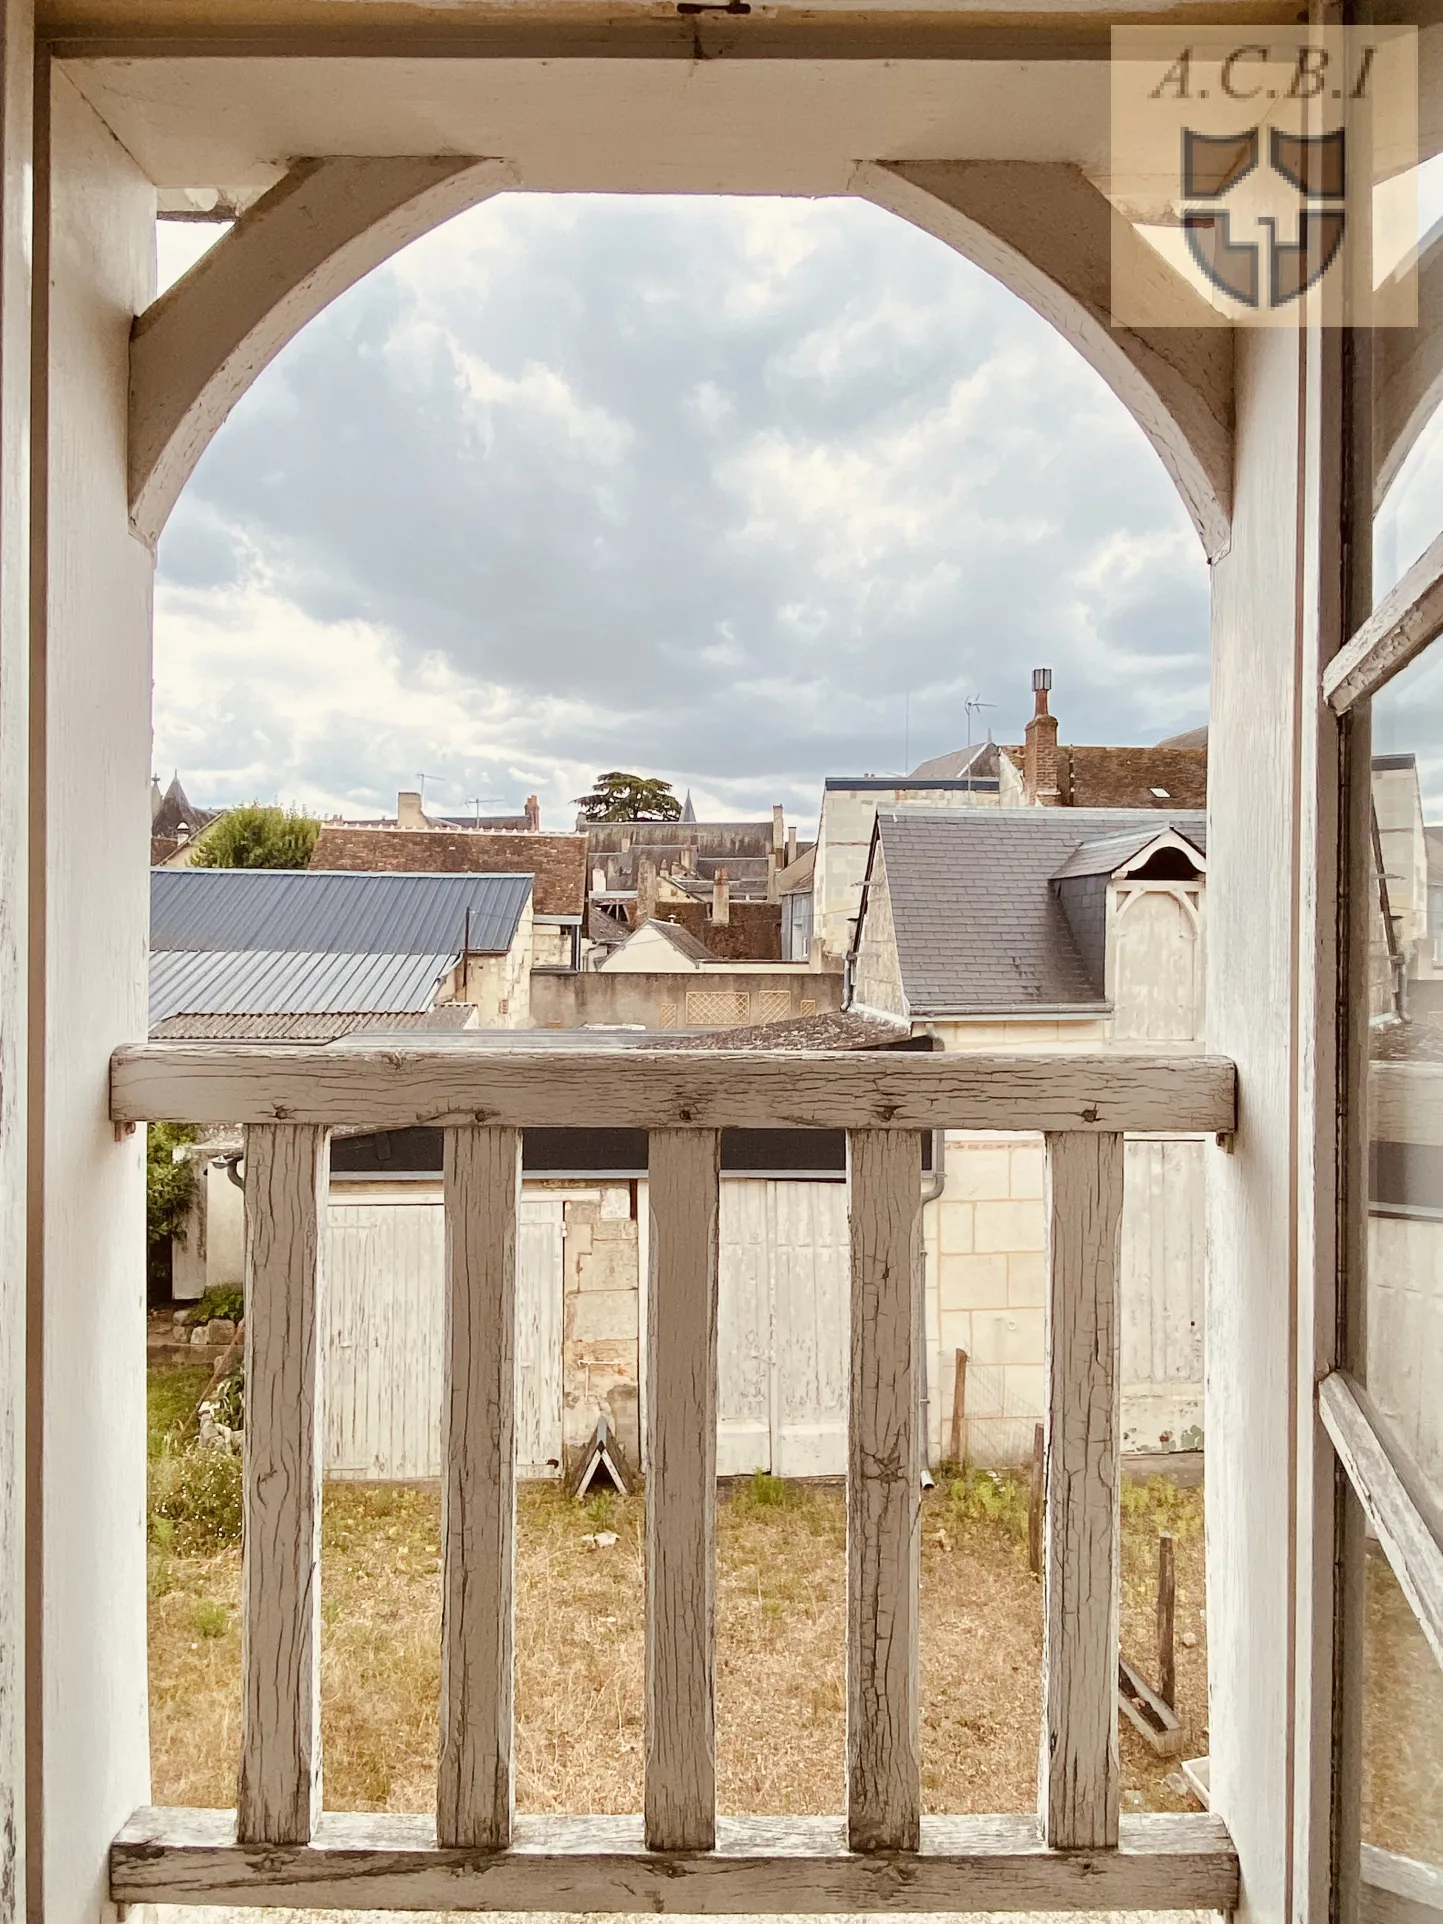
[1034,1500]
[1166,1594]
[958,1441]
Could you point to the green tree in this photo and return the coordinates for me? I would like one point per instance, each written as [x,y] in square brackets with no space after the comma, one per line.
[169,1185]
[619,797]
[258,837]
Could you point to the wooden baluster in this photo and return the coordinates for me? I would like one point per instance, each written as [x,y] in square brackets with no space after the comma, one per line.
[680,1796]
[884,1503]
[279,1796]
[474,1788]
[1078,1779]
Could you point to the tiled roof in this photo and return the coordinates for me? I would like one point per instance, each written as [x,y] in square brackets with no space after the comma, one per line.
[980,926]
[558,862]
[1127,777]
[338,914]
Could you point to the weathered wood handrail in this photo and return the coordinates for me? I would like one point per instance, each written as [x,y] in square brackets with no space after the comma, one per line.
[282,1849]
[669,1089]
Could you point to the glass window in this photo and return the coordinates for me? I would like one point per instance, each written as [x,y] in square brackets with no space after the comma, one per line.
[1396,1342]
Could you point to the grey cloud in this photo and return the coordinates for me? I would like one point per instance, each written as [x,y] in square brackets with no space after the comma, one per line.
[932,475]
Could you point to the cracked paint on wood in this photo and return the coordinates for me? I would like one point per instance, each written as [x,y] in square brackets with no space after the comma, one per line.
[280,1772]
[884,1779]
[1078,1779]
[681,1335]
[474,1792]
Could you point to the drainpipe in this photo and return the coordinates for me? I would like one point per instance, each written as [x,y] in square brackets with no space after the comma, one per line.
[931,1191]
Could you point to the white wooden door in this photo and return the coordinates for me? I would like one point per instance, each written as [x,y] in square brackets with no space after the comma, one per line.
[1162,1295]
[385,1333]
[782,1329]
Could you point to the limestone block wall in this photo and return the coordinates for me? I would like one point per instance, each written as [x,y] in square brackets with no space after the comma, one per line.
[599,1368]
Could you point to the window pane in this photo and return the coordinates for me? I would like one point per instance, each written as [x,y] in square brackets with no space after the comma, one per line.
[1402,1348]
[1401,1781]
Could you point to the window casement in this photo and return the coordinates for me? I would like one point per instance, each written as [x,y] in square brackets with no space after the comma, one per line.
[1382,1407]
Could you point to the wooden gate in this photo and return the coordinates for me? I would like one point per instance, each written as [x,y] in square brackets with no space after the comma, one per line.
[782,1329]
[385,1339]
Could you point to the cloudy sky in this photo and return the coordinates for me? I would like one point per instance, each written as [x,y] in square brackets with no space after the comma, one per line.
[742,493]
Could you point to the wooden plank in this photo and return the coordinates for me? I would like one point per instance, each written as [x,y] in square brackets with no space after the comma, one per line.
[681,1335]
[482,1177]
[957,1450]
[884,1496]
[1398,1890]
[1166,1610]
[1154,1720]
[762,1865]
[668,1088]
[1408,1542]
[286,1177]
[1078,1780]
[1400,627]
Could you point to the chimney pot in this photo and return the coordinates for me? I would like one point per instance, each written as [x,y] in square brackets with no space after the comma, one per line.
[533,812]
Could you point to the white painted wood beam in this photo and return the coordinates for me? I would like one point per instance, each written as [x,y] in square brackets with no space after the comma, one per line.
[285,1201]
[684,1168]
[402,1088]
[319,230]
[1403,1530]
[797,1866]
[1046,232]
[1405,621]
[884,1496]
[1078,1783]
[474,1792]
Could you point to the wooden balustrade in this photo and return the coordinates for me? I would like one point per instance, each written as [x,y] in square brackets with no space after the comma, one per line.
[678,1856]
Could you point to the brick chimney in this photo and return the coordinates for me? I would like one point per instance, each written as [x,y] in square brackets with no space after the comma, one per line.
[533,813]
[721,899]
[1039,755]
[409,813]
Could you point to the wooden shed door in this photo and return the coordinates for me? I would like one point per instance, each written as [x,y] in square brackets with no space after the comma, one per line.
[386,1328]
[782,1329]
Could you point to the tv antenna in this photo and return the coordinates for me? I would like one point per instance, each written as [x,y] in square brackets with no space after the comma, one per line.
[474,802]
[974,705]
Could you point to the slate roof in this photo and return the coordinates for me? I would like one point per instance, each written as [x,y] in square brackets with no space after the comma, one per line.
[1105,854]
[298,910]
[981,928]
[979,759]
[682,940]
[556,862]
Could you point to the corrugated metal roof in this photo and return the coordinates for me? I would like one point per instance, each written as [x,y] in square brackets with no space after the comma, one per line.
[303,1027]
[267,982]
[321,912]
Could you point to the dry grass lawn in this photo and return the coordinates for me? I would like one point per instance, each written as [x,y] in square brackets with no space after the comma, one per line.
[579,1647]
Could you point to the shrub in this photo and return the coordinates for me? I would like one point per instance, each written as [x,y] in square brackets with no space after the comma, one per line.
[993,1496]
[229,1302]
[210,1618]
[258,837]
[169,1185]
[195,1499]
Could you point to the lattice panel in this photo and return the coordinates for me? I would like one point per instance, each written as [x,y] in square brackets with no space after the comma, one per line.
[774,1005]
[717,1008]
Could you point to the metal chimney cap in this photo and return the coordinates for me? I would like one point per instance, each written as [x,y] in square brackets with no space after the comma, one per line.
[1041,679]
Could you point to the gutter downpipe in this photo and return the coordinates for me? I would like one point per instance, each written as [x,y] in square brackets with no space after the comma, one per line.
[931,1190]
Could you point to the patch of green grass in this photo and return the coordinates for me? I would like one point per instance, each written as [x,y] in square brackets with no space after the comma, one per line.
[195,1499]
[171,1394]
[985,1496]
[210,1618]
[1154,1503]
